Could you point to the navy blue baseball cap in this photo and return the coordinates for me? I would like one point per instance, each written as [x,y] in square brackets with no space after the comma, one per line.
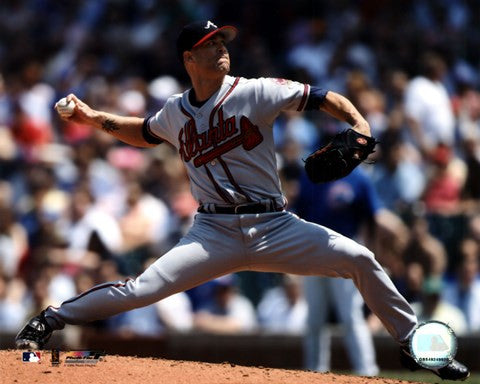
[194,34]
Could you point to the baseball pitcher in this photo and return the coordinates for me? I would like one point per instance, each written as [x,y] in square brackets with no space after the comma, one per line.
[222,129]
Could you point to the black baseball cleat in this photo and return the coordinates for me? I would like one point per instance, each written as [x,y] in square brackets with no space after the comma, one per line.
[34,334]
[453,371]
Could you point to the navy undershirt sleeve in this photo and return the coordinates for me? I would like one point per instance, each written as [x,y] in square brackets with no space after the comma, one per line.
[147,134]
[315,98]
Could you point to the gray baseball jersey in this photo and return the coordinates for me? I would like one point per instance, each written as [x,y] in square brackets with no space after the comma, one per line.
[231,135]
[228,149]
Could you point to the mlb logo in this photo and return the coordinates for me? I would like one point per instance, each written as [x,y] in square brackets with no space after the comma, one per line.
[431,343]
[31,357]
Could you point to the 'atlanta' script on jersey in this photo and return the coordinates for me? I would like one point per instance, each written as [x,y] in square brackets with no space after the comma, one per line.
[205,146]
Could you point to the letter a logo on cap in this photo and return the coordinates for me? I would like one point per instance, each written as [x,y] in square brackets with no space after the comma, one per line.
[210,24]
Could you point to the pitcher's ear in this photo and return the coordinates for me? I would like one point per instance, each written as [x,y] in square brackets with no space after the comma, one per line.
[187,56]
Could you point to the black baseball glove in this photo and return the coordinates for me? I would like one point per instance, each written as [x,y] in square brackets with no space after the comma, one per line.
[339,157]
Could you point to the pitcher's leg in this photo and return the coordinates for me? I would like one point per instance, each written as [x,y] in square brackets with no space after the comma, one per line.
[186,265]
[382,297]
[301,247]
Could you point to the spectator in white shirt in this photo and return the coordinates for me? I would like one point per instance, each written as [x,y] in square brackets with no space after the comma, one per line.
[427,106]
[283,309]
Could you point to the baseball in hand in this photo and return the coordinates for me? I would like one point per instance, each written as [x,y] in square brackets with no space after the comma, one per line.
[64,108]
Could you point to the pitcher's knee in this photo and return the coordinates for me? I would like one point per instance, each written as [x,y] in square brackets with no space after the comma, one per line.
[140,294]
[151,287]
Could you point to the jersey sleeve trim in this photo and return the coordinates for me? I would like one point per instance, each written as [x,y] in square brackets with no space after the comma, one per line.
[304,97]
[315,99]
[147,133]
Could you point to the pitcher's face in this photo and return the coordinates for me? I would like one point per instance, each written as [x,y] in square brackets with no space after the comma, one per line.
[211,56]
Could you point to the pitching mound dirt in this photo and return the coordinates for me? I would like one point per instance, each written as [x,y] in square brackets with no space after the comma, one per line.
[122,369]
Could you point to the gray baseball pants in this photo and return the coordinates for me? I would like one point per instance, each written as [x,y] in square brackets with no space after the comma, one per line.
[219,244]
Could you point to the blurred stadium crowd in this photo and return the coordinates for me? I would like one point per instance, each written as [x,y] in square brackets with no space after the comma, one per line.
[78,208]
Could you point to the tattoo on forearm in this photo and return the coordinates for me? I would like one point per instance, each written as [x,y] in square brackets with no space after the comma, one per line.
[109,126]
